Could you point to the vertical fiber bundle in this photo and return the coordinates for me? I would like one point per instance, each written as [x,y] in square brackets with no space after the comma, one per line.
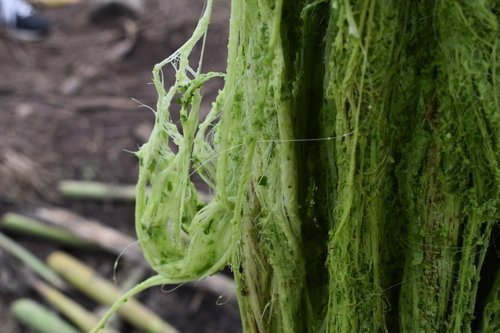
[449,171]
[363,50]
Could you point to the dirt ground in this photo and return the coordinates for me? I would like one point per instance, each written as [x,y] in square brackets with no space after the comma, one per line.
[66,112]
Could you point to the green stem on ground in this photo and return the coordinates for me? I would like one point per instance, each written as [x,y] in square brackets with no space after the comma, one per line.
[96,190]
[31,261]
[38,318]
[21,224]
[89,282]
[81,317]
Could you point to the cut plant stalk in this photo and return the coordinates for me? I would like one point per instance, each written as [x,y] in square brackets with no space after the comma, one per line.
[96,190]
[53,3]
[95,287]
[39,318]
[74,312]
[101,191]
[31,261]
[21,224]
[92,231]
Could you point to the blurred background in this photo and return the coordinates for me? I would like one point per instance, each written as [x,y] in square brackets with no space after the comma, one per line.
[70,116]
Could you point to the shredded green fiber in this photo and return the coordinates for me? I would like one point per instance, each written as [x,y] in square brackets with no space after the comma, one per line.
[353,155]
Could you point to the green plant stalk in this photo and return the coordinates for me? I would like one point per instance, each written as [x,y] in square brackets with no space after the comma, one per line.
[273,299]
[78,315]
[24,225]
[96,190]
[31,261]
[133,278]
[449,172]
[101,191]
[361,49]
[88,281]
[355,184]
[38,318]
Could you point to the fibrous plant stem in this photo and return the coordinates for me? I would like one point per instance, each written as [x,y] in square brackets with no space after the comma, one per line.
[353,156]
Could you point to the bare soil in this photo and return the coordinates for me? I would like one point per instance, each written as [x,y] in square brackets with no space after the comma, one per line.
[66,112]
